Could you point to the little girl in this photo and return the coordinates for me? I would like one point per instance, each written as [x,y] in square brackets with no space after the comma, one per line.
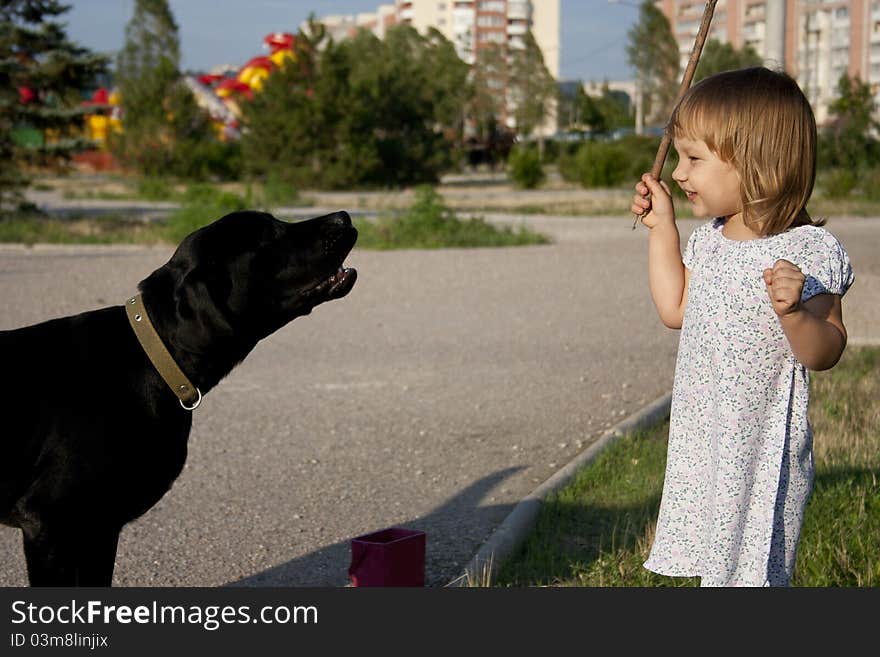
[757,295]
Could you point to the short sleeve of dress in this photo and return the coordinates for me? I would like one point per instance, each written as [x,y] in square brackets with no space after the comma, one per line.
[830,271]
[689,257]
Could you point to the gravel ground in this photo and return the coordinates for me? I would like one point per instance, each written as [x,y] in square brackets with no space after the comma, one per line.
[447,386]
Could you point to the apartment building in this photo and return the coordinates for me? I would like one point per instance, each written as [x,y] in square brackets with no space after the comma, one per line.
[815,41]
[474,24]
[344,26]
[470,25]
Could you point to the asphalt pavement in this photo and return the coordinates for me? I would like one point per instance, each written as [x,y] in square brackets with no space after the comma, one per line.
[446,387]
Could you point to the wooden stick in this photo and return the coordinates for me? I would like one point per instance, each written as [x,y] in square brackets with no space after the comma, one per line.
[665,142]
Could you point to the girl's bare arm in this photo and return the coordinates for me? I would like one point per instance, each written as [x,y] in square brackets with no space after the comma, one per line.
[667,274]
[814,328]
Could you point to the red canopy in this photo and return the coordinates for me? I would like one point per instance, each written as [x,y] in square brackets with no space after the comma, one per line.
[231,84]
[100,97]
[25,95]
[279,41]
[210,78]
[259,62]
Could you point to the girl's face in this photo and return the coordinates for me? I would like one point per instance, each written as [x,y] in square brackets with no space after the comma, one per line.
[712,185]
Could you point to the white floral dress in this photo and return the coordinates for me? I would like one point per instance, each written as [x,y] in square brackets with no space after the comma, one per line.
[739,466]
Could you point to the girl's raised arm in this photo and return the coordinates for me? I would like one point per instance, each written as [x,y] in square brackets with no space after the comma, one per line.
[667,274]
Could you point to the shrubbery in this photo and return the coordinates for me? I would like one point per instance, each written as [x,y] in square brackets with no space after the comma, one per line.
[201,205]
[278,191]
[525,168]
[429,224]
[370,113]
[609,163]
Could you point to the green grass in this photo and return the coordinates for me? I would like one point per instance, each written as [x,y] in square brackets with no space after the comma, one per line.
[598,530]
[105,229]
[201,204]
[429,224]
[840,542]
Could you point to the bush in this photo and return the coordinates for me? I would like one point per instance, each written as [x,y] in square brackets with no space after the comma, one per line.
[871,185]
[208,159]
[278,191]
[525,168]
[202,205]
[155,189]
[838,183]
[609,163]
[429,224]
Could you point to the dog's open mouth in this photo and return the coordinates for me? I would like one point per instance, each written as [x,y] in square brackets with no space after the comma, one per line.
[339,284]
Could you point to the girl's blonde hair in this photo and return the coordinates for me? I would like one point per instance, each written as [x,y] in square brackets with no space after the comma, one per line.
[760,121]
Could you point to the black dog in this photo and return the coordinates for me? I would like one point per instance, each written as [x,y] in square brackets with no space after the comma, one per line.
[92,434]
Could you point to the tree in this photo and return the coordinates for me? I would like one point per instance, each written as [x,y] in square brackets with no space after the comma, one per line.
[162,123]
[287,125]
[449,83]
[531,88]
[653,53]
[718,57]
[44,79]
[489,76]
[605,112]
[363,111]
[849,136]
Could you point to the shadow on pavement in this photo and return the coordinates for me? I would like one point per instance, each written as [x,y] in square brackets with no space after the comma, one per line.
[447,529]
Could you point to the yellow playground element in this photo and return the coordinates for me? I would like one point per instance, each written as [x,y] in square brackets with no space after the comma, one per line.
[101,123]
[221,95]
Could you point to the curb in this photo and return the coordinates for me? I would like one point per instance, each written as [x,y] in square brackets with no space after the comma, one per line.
[516,527]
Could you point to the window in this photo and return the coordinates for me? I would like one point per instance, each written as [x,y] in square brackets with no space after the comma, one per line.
[491,21]
[492,5]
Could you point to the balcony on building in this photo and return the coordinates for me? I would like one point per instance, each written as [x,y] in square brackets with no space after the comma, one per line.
[840,16]
[754,31]
[518,10]
[492,7]
[756,12]
[517,27]
[690,11]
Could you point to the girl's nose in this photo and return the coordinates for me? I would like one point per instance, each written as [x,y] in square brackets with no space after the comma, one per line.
[679,174]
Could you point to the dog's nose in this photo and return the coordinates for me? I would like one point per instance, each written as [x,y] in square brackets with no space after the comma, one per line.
[342,218]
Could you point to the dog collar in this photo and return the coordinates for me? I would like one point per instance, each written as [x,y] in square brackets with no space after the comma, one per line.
[189,395]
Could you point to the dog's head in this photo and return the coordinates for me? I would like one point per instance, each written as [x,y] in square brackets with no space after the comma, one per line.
[247,274]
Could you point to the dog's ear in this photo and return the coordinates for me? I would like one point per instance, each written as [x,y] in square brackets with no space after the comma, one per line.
[200,298]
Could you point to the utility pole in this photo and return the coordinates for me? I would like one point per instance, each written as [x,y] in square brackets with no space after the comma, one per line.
[774,40]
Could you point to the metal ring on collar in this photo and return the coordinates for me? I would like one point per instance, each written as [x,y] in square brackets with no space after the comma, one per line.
[195,405]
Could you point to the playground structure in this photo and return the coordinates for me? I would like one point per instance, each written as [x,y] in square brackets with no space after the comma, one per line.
[108,119]
[219,94]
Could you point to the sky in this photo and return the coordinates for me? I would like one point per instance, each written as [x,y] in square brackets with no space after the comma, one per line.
[213,32]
